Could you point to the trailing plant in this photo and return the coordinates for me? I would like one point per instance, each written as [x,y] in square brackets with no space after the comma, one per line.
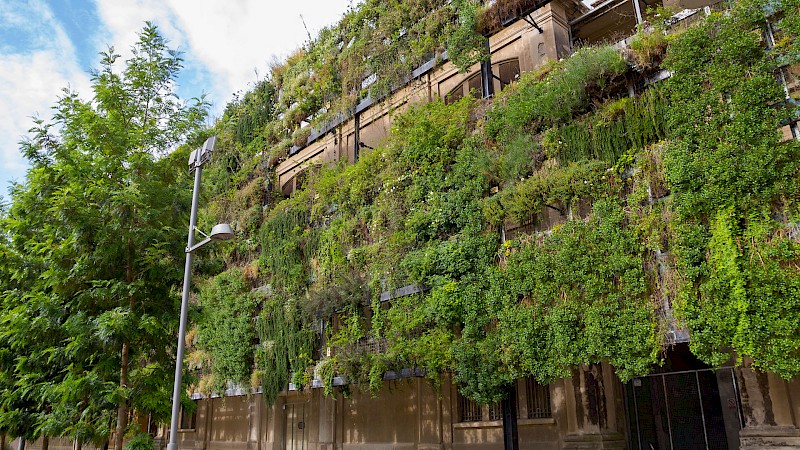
[466,47]
[616,128]
[286,345]
[535,103]
[577,295]
[680,197]
[226,332]
[732,180]
[372,51]
[559,187]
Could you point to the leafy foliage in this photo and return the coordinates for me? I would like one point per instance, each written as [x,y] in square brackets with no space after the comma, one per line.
[227,332]
[88,319]
[735,188]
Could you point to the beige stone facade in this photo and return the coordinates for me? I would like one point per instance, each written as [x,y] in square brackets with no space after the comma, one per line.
[591,410]
[407,414]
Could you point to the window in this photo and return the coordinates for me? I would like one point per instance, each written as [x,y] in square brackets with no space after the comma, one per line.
[504,73]
[472,86]
[495,411]
[538,400]
[188,419]
[508,72]
[468,410]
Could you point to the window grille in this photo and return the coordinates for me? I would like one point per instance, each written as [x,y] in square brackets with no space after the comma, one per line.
[468,410]
[372,345]
[538,398]
[495,411]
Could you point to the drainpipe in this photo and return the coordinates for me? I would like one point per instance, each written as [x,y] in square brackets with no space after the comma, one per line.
[638,10]
[487,77]
[356,136]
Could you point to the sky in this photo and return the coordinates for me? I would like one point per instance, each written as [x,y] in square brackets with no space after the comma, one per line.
[48,45]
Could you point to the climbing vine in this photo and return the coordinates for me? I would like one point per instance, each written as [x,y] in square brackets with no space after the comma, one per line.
[226,331]
[565,222]
[735,187]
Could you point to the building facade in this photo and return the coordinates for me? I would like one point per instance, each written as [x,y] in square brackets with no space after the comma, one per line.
[684,405]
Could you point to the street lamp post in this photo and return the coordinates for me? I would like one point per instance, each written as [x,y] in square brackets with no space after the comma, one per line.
[220,232]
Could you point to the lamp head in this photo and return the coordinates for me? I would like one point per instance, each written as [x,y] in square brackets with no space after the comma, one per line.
[221,232]
[203,154]
[208,146]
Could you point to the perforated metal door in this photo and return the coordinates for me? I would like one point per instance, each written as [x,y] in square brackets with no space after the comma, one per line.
[696,409]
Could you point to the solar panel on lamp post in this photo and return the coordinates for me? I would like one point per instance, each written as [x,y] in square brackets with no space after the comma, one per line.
[220,232]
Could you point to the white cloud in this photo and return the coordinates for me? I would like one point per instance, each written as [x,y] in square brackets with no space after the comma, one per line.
[123,20]
[233,41]
[227,46]
[237,39]
[31,80]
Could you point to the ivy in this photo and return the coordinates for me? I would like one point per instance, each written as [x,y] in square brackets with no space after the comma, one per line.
[682,197]
[733,181]
[226,331]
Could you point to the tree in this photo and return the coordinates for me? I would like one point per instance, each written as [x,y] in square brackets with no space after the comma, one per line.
[98,223]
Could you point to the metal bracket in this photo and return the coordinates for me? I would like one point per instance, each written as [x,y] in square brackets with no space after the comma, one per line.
[529,19]
[199,244]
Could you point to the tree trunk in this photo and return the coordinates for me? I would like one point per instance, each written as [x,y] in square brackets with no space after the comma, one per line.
[122,409]
[45,443]
[2,441]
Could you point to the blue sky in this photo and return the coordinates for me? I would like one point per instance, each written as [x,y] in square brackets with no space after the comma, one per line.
[47,45]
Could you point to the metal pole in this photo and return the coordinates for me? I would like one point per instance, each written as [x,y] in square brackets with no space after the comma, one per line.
[636,412]
[702,410]
[187,280]
[356,136]
[669,416]
[637,9]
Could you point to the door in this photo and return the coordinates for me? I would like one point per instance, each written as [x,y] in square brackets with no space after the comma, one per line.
[695,409]
[294,426]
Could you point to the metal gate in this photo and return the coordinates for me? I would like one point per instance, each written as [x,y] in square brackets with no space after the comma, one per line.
[294,426]
[697,409]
